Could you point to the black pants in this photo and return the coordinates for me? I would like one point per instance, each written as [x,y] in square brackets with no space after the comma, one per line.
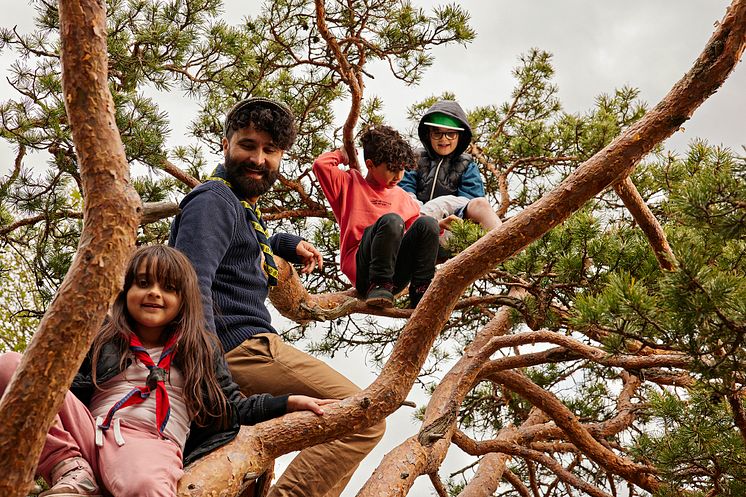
[388,254]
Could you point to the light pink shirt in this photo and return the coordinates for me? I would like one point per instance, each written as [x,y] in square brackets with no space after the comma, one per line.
[177,428]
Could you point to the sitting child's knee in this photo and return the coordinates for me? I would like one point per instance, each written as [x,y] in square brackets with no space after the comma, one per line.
[391,221]
[478,203]
[8,364]
[428,224]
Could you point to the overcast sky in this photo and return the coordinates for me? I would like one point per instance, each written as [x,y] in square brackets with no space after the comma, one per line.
[597,45]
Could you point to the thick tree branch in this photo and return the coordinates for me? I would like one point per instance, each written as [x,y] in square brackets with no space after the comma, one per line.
[112,210]
[177,173]
[151,212]
[293,301]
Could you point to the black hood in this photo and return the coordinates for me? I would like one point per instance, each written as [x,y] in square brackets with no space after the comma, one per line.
[454,110]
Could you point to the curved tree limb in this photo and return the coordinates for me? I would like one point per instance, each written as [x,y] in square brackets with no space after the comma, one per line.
[428,449]
[352,77]
[292,300]
[622,420]
[473,448]
[648,223]
[592,353]
[577,433]
[112,210]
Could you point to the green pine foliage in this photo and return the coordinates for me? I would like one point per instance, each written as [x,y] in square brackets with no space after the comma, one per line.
[693,441]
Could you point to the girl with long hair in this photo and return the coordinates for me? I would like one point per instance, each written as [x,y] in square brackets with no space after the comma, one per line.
[152,395]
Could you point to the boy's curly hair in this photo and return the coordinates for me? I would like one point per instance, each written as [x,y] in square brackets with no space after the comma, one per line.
[269,117]
[384,145]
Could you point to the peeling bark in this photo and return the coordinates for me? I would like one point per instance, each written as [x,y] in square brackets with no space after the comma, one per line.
[112,211]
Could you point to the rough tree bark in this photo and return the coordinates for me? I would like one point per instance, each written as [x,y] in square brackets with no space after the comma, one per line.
[112,212]
[649,225]
[299,430]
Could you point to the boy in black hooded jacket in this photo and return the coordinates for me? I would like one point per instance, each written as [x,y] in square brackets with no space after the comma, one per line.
[446,180]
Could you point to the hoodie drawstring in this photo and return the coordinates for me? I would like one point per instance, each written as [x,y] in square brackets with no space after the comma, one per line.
[435,179]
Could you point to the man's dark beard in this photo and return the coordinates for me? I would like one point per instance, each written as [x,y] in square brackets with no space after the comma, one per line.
[245,186]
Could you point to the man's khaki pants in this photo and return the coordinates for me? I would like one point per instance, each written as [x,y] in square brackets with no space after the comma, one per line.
[266,364]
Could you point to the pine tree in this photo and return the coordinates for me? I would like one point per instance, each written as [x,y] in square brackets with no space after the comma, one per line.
[589,353]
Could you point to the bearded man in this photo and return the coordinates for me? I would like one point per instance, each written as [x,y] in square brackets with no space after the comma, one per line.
[221,231]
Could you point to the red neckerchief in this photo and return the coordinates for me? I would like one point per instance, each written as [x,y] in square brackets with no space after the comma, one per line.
[155,381]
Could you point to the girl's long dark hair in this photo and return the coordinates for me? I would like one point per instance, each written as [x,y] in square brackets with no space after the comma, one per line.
[196,348]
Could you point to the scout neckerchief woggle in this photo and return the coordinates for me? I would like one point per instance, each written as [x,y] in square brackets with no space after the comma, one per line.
[255,217]
[155,381]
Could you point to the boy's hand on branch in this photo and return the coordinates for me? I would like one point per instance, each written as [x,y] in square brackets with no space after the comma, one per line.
[346,159]
[310,257]
[445,223]
[305,403]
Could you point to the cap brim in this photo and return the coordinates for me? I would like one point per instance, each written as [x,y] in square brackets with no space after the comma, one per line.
[444,126]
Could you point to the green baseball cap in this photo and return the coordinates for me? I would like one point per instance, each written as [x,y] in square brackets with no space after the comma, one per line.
[440,120]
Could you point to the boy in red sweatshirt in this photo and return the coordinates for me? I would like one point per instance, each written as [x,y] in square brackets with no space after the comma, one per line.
[385,243]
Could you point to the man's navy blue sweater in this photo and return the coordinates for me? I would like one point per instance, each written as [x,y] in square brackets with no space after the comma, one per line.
[213,231]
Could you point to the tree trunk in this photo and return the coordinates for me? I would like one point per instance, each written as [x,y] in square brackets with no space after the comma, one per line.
[112,212]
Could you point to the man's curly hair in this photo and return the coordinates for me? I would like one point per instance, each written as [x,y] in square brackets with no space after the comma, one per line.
[265,117]
[384,145]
